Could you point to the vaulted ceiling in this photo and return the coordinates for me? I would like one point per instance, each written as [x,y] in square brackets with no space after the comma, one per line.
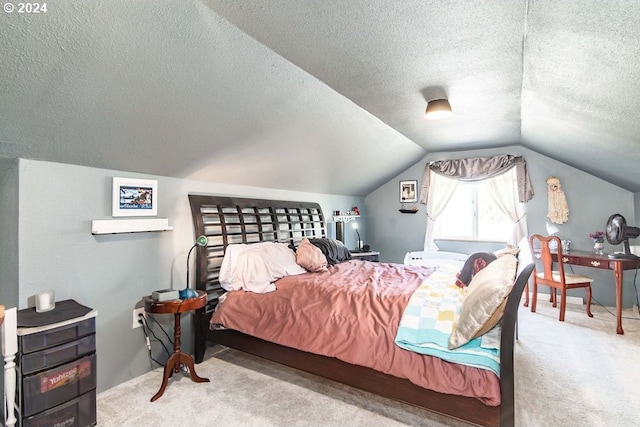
[320,96]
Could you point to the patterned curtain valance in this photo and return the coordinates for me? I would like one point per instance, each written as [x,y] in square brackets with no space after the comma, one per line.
[479,169]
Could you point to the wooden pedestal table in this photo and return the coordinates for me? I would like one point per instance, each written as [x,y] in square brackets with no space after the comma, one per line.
[178,358]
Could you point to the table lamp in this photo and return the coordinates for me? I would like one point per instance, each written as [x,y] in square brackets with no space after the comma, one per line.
[355,227]
[552,230]
[187,292]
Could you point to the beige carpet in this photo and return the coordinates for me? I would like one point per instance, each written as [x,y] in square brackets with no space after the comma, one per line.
[575,373]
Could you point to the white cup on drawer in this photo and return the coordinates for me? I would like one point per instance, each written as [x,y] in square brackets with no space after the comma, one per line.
[45,301]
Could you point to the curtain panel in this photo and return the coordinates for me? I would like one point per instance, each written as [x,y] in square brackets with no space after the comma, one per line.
[479,169]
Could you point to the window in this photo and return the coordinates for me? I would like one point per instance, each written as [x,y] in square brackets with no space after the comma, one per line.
[498,184]
[472,214]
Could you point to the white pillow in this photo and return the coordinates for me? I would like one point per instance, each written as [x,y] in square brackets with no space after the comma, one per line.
[258,266]
[230,261]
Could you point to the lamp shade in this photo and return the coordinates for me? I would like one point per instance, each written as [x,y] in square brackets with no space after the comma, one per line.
[552,229]
[438,109]
[201,241]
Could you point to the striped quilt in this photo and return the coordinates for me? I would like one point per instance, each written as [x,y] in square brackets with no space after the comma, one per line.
[429,318]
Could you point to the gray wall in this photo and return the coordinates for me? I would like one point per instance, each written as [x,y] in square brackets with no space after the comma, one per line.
[9,238]
[111,273]
[9,232]
[591,201]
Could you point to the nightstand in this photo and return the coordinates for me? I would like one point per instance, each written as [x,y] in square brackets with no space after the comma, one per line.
[366,256]
[176,307]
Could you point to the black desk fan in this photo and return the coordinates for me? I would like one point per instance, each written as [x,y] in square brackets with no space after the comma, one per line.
[618,232]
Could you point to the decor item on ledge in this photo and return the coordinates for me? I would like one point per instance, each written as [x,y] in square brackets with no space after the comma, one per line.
[438,109]
[187,292]
[134,197]
[408,191]
[598,242]
[409,194]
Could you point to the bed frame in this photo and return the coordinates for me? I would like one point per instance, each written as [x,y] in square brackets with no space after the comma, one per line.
[226,220]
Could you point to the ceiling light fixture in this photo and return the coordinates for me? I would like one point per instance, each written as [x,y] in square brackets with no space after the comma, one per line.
[438,109]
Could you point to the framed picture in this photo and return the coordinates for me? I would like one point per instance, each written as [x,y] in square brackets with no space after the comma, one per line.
[134,197]
[409,191]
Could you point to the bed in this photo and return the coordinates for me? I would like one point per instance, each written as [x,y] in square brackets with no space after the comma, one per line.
[229,220]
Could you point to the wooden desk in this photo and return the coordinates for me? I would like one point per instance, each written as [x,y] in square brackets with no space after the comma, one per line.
[176,307]
[590,259]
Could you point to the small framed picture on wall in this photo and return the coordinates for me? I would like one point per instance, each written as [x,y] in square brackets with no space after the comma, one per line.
[134,197]
[409,191]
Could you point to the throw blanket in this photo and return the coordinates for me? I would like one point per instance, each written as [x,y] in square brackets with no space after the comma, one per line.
[428,320]
[334,250]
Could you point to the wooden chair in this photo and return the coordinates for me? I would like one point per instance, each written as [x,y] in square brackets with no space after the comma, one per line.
[555,279]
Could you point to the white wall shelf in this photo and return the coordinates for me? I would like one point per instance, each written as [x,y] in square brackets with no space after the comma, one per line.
[345,218]
[129,225]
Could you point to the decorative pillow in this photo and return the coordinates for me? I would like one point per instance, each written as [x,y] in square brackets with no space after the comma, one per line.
[310,257]
[472,266]
[484,302]
[334,250]
[510,249]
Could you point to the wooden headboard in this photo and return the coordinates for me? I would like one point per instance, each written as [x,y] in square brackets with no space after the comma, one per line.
[226,220]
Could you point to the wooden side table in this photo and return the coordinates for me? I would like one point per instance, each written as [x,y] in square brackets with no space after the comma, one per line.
[176,307]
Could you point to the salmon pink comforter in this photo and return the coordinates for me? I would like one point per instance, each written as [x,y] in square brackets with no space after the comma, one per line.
[352,312]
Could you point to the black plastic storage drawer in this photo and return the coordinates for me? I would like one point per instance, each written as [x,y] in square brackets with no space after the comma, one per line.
[63,334]
[58,385]
[78,412]
[53,356]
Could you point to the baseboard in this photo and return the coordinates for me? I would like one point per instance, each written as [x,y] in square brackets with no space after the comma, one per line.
[570,299]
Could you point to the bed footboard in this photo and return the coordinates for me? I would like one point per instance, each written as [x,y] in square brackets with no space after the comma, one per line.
[507,342]
[463,408]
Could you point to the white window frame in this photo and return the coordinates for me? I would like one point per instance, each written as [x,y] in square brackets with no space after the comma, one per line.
[473,217]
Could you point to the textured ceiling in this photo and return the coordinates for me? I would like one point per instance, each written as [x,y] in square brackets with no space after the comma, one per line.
[319,96]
